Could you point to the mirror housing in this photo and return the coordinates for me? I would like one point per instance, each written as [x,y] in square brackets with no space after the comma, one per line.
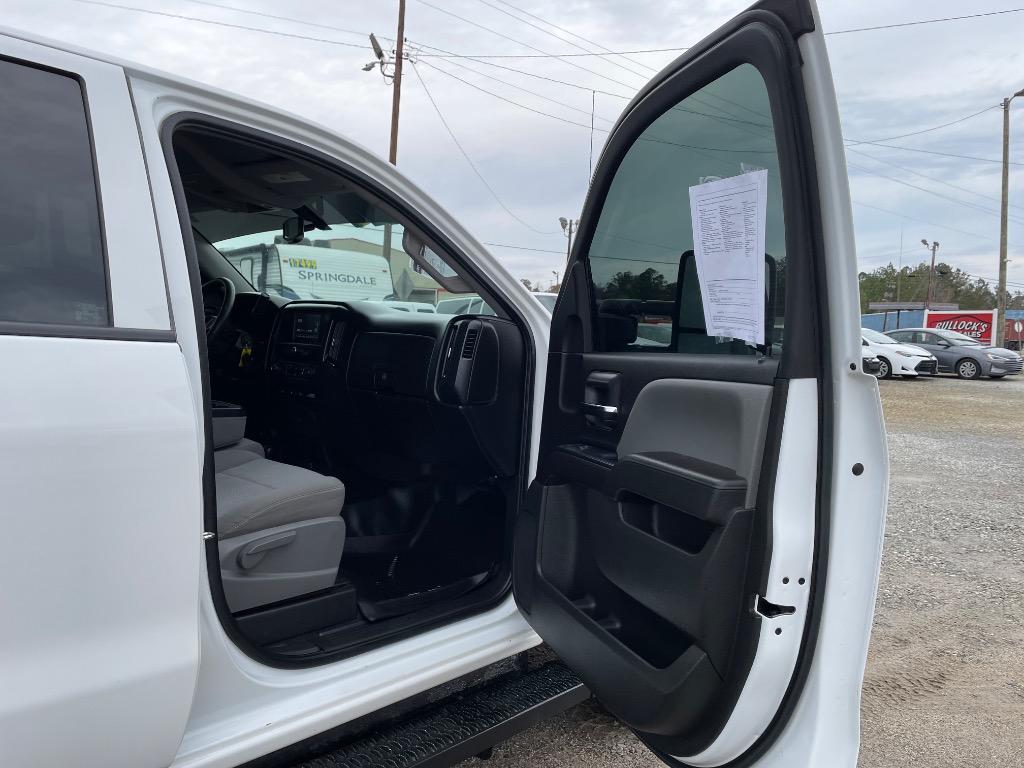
[293,230]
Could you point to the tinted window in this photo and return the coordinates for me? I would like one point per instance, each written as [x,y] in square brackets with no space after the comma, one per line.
[641,256]
[51,254]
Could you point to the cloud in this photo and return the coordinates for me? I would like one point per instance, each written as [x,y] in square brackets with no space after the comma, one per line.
[889,82]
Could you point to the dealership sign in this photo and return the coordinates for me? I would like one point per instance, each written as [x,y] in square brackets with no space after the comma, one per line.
[978,324]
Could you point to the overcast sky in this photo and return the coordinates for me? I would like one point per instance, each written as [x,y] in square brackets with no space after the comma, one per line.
[890,82]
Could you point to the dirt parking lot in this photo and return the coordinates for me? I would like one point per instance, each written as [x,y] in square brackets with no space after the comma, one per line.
[945,679]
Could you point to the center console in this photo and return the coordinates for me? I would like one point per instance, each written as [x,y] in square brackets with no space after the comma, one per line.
[301,348]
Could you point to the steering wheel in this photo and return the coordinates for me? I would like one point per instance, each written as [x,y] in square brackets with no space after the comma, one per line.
[218,299]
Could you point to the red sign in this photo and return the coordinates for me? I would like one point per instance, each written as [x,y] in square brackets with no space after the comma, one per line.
[978,324]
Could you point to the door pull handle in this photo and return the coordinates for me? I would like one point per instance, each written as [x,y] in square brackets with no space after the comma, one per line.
[596,409]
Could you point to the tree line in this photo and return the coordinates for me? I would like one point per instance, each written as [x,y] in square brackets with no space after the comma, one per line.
[950,285]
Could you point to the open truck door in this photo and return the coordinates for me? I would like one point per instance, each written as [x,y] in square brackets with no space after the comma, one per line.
[702,539]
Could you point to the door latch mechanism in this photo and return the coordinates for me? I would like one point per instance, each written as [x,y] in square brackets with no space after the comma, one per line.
[769,610]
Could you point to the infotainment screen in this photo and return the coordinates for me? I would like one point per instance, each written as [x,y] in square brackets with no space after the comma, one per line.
[307,327]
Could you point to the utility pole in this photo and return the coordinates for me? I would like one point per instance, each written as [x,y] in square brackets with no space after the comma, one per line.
[396,101]
[933,247]
[396,92]
[1003,218]
[899,267]
[567,227]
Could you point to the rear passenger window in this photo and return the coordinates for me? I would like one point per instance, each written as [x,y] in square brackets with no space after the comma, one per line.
[52,266]
[642,254]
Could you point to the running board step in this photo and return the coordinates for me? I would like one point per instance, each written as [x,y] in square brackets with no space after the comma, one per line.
[465,725]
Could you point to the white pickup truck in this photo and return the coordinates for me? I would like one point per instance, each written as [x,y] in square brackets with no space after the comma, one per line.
[243,528]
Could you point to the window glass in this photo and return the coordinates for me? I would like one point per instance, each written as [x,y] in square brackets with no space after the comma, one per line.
[641,256]
[303,232]
[52,268]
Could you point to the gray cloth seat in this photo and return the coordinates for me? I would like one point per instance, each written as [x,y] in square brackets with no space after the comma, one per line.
[279,526]
[254,494]
[238,453]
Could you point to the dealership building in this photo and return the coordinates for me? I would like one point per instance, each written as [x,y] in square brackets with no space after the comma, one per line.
[979,323]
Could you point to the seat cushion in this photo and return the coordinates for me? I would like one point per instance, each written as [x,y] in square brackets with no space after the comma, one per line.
[254,493]
[239,453]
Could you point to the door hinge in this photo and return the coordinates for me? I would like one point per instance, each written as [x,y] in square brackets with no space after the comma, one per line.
[769,610]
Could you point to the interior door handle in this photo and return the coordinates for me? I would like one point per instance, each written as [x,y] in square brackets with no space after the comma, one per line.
[596,409]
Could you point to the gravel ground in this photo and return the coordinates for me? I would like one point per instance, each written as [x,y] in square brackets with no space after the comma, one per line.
[945,678]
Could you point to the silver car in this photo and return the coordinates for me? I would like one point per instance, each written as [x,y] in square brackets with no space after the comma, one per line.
[958,353]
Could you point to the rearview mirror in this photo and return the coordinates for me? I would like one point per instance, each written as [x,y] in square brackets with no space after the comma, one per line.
[293,230]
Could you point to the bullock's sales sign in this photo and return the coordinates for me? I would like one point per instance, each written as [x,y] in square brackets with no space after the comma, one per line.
[978,324]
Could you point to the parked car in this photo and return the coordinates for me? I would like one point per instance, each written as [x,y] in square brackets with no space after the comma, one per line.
[958,353]
[895,359]
[547,299]
[241,526]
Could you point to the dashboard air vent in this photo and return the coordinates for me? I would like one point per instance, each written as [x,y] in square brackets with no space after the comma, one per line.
[469,345]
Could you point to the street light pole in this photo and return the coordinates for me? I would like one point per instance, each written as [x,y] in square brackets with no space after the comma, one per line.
[1003,219]
[933,247]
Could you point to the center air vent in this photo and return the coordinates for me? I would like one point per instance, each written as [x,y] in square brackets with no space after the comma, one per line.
[469,345]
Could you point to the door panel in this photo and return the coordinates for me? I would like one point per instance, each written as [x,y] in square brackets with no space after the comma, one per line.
[99,451]
[667,546]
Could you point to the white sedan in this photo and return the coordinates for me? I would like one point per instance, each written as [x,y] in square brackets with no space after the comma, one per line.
[896,359]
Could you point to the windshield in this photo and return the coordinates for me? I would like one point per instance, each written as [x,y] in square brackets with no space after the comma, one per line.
[340,263]
[300,231]
[957,339]
[875,337]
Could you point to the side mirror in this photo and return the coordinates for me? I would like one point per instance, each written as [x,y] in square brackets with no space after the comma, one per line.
[943,343]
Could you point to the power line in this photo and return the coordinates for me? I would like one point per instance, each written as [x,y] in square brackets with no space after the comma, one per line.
[926,176]
[933,152]
[547,55]
[957,201]
[304,22]
[607,52]
[928,130]
[524,248]
[507,100]
[220,23]
[469,160]
[586,112]
[552,34]
[733,118]
[542,113]
[533,75]
[578,36]
[924,21]
[902,215]
[520,42]
[727,116]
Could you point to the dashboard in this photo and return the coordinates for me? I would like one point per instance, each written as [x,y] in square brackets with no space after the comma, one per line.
[397,394]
